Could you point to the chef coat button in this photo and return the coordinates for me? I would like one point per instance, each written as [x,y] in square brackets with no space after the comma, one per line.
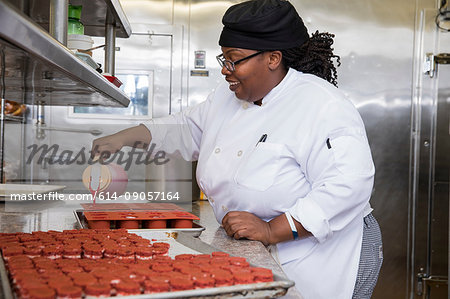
[245,105]
[211,199]
[224,208]
[217,150]
[239,153]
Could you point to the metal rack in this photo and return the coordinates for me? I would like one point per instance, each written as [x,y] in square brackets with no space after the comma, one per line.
[93,16]
[40,70]
[37,69]
[11,119]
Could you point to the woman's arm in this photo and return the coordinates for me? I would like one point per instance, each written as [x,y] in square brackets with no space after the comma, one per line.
[138,137]
[241,225]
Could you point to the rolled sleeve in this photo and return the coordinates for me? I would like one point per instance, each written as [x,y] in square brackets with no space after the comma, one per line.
[313,219]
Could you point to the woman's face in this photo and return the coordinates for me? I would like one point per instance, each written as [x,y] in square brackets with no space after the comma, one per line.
[248,81]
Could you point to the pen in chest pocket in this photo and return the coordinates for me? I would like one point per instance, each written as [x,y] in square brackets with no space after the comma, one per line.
[262,139]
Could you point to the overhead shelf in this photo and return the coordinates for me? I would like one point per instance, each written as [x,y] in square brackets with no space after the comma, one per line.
[37,69]
[93,16]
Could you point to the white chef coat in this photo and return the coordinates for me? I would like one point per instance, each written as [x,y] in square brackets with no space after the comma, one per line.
[326,186]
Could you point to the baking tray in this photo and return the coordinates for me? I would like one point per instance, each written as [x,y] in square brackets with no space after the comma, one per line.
[184,243]
[181,242]
[195,231]
[6,291]
[26,189]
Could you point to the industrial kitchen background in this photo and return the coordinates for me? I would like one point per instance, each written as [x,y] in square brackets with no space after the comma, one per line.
[393,69]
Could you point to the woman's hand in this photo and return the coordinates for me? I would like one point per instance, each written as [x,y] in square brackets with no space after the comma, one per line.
[241,225]
[104,147]
[138,137]
[246,225]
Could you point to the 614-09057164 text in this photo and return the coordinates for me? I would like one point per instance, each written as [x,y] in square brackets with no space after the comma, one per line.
[144,196]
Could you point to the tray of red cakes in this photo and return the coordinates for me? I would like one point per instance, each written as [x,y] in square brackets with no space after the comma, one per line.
[154,216]
[90,263]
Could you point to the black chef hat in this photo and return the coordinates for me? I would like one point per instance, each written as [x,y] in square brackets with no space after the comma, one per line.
[263,25]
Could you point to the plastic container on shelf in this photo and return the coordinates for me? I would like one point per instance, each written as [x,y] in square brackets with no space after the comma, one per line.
[80,42]
[74,25]
[113,180]
[113,80]
[88,59]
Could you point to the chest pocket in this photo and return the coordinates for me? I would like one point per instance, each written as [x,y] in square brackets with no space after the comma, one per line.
[259,169]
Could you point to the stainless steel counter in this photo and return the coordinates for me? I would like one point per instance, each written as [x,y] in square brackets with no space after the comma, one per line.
[58,215]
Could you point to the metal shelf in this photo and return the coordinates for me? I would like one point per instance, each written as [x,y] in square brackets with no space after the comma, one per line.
[11,118]
[93,15]
[37,69]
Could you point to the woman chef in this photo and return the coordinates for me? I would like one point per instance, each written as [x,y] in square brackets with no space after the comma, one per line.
[282,155]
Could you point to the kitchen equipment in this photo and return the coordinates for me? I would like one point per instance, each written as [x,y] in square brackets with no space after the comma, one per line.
[177,244]
[113,80]
[82,43]
[94,132]
[109,180]
[74,25]
[195,231]
[137,215]
[87,59]
[95,48]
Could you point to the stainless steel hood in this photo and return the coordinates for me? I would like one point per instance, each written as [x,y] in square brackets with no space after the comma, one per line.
[37,69]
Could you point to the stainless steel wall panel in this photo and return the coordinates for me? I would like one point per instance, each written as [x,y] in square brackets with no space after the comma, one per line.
[429,195]
[420,154]
[205,27]
[158,12]
[440,184]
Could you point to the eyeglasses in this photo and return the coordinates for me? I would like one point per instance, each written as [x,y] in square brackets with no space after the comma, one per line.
[231,65]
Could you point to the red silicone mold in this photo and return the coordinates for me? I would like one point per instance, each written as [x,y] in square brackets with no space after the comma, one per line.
[137,215]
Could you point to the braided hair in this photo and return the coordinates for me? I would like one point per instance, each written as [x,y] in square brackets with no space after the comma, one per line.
[315,57]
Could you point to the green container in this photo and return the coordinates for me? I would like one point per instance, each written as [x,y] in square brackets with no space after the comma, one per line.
[74,26]
[75,11]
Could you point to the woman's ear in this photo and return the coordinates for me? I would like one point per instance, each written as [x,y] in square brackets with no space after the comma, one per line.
[275,60]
